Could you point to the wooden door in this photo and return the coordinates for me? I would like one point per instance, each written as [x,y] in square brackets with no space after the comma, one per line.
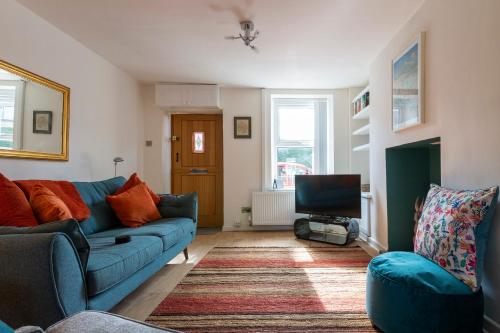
[197,163]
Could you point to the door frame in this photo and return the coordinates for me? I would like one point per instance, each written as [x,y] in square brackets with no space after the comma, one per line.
[220,193]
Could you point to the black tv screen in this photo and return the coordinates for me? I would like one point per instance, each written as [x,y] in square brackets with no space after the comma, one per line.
[330,195]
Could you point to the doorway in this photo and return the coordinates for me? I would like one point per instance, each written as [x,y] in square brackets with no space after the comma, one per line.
[197,163]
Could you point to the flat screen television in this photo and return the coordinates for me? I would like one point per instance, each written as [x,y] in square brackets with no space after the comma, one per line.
[328,195]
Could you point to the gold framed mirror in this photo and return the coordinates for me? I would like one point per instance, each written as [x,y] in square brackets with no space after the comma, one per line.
[34,115]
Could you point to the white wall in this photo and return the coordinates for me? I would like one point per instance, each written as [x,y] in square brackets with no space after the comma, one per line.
[462,107]
[42,98]
[242,157]
[105,104]
[156,129]
[341,131]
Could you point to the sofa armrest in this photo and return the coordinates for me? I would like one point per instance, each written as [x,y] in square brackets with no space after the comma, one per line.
[183,205]
[41,279]
[70,227]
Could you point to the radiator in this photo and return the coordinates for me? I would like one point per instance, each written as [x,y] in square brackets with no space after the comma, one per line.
[273,208]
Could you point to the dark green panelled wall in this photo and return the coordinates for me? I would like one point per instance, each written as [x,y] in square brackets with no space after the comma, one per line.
[410,169]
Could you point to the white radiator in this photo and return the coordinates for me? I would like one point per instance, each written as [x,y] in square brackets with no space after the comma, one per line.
[273,208]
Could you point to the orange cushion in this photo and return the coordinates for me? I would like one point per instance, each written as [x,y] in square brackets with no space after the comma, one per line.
[15,210]
[47,206]
[135,180]
[134,207]
[66,191]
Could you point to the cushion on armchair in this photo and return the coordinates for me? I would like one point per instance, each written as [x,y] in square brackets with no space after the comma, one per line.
[453,228]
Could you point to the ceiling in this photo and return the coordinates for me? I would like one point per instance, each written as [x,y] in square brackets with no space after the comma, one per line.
[303,43]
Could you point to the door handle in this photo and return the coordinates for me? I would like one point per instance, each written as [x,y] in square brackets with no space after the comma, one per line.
[176,157]
[198,171]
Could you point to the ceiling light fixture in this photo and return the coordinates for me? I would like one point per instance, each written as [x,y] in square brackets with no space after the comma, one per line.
[247,36]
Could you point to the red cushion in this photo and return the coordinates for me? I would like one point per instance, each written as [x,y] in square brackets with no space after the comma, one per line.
[15,209]
[134,207]
[135,180]
[47,206]
[66,191]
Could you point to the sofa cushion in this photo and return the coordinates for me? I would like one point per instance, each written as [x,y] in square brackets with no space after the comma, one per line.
[171,231]
[94,195]
[134,207]
[47,206]
[15,210]
[183,205]
[134,180]
[110,263]
[65,190]
[417,273]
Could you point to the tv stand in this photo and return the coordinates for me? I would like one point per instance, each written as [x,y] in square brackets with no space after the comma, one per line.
[329,229]
[330,219]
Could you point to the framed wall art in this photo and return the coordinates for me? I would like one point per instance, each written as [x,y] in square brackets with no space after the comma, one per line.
[42,122]
[408,86]
[242,127]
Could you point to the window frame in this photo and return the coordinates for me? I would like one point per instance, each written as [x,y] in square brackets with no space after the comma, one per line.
[321,146]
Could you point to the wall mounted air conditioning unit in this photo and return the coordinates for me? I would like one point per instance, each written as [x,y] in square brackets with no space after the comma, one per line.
[187,96]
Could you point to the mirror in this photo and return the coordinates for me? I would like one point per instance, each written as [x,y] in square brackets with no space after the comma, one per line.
[34,115]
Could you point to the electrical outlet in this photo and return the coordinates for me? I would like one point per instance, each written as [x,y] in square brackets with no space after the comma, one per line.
[246,209]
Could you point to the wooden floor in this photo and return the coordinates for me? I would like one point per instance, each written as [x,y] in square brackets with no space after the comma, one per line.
[144,300]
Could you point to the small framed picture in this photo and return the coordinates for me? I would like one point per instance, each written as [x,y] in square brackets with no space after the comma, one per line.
[408,86]
[242,127]
[42,122]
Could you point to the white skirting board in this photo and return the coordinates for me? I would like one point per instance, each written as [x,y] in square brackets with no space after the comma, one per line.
[490,325]
[376,245]
[258,228]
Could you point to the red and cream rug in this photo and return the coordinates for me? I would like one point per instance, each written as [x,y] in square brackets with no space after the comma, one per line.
[270,289]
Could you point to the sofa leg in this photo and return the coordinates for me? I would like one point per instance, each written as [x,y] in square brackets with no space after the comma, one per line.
[186,255]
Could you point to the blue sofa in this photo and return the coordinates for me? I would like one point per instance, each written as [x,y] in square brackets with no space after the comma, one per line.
[43,280]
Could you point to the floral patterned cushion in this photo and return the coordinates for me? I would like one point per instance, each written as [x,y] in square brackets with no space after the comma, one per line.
[446,231]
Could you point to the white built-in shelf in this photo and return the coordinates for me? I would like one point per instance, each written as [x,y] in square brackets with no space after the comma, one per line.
[361,93]
[364,147]
[366,195]
[365,130]
[363,114]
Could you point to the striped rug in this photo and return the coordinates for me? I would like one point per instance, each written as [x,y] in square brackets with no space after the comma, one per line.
[270,289]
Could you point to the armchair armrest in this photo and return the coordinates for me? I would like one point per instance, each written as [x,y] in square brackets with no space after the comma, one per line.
[184,205]
[41,280]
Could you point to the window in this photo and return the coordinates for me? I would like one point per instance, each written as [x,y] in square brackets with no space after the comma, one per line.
[11,106]
[298,138]
[7,108]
